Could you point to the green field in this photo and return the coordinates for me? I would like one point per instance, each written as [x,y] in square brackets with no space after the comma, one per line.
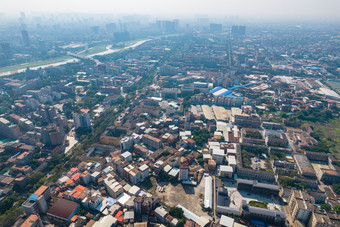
[94,50]
[330,131]
[33,64]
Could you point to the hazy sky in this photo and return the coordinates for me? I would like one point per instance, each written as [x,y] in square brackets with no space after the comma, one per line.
[307,9]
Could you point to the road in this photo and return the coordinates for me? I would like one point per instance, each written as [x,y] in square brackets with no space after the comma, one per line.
[215,199]
[71,140]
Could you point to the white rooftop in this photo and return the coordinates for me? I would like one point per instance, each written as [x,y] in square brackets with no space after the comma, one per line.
[226,221]
[143,167]
[217,151]
[231,160]
[174,172]
[123,198]
[225,168]
[134,190]
[126,154]
[167,168]
[106,221]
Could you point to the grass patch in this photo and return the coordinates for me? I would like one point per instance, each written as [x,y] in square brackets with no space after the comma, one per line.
[263,204]
[149,184]
[329,133]
[94,50]
[34,64]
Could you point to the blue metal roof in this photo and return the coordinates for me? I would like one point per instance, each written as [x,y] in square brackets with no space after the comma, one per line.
[236,86]
[226,93]
[33,197]
[248,85]
[215,89]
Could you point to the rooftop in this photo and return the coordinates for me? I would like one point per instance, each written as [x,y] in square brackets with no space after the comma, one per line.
[30,220]
[63,208]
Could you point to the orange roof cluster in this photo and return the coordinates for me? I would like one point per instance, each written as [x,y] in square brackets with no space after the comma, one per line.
[79,188]
[73,170]
[75,176]
[77,191]
[68,181]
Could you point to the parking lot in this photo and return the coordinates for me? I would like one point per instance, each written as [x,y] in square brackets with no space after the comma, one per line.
[236,197]
[188,196]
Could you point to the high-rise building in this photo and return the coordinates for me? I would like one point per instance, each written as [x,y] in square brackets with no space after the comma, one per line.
[6,49]
[42,46]
[95,29]
[53,135]
[82,120]
[168,26]
[47,114]
[8,129]
[111,27]
[215,28]
[37,202]
[238,30]
[25,38]
[121,36]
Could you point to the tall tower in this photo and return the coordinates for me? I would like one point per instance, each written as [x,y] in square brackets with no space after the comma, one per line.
[25,37]
[6,49]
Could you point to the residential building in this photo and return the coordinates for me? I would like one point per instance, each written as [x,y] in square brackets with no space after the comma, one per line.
[329,175]
[245,120]
[183,173]
[144,172]
[8,129]
[82,120]
[218,155]
[152,141]
[226,171]
[257,187]
[303,165]
[300,205]
[272,217]
[32,221]
[37,202]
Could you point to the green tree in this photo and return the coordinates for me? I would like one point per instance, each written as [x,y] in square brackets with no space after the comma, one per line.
[201,136]
[181,222]
[176,212]
[200,159]
[336,208]
[325,207]
[271,108]
[7,203]
[336,188]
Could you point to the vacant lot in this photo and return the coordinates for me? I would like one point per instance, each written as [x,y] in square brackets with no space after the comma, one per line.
[188,196]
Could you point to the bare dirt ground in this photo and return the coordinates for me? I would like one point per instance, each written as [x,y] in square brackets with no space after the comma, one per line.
[189,197]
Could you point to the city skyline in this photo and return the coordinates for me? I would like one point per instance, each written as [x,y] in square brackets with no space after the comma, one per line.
[262,9]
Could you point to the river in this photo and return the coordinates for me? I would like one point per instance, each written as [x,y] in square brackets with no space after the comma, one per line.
[63,62]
